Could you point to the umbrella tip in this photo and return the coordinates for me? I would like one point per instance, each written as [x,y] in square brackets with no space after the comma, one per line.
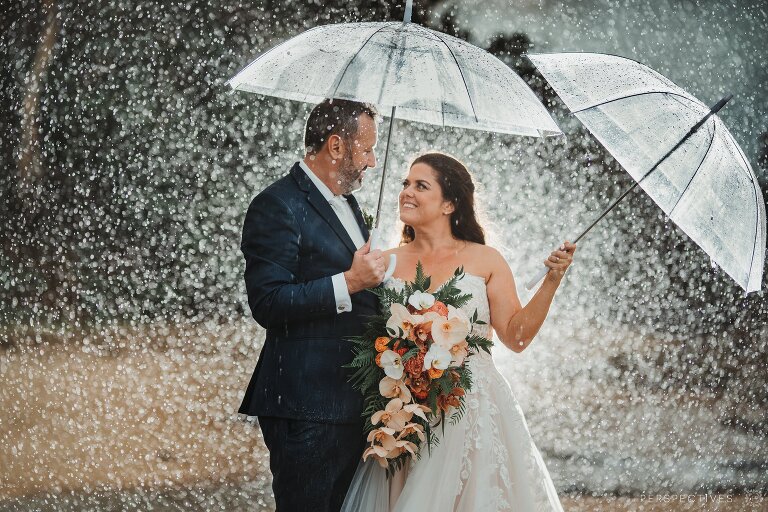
[408,11]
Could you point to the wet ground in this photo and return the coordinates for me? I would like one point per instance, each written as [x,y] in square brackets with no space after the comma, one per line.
[149,425]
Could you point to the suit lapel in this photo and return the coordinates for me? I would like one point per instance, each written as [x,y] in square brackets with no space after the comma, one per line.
[358,215]
[322,207]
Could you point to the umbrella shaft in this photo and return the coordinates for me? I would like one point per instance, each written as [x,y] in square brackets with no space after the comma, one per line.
[606,211]
[715,108]
[384,168]
[408,11]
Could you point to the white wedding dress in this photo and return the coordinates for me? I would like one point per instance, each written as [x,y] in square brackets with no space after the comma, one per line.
[486,462]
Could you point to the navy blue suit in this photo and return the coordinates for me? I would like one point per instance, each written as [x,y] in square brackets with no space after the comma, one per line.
[309,414]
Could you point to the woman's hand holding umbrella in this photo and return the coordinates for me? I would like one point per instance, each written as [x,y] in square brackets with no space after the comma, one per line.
[559,261]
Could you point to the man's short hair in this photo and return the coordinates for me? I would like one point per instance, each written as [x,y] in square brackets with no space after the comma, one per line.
[334,117]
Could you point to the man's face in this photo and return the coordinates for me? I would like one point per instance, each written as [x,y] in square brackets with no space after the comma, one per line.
[359,155]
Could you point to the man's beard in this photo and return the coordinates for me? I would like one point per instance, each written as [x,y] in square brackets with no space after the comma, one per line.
[350,178]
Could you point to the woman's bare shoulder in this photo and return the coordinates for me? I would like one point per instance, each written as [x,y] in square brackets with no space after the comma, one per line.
[485,253]
[396,250]
[486,259]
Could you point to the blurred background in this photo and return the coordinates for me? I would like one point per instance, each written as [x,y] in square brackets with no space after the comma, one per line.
[126,167]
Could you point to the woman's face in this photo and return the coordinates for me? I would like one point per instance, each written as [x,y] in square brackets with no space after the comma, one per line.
[421,200]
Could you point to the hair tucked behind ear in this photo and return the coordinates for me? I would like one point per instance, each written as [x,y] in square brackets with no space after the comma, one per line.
[456,185]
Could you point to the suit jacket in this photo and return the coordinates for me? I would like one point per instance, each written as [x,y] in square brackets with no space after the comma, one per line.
[293,243]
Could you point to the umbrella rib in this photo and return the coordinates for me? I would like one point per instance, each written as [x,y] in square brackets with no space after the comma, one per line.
[696,171]
[388,66]
[341,75]
[601,103]
[754,245]
[757,226]
[466,88]
[755,192]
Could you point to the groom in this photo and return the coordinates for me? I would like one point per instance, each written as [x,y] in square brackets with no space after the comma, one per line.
[307,265]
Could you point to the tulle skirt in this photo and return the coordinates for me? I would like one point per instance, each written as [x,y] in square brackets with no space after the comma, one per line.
[485,462]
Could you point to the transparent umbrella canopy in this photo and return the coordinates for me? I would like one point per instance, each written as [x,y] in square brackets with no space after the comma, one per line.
[676,149]
[430,77]
[408,71]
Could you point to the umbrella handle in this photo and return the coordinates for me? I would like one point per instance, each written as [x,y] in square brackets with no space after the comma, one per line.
[538,277]
[378,242]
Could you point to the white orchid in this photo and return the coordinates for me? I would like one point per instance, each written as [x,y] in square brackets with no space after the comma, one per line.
[392,364]
[457,313]
[437,357]
[421,300]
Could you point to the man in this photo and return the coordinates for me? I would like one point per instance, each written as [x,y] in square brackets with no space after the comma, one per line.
[307,266]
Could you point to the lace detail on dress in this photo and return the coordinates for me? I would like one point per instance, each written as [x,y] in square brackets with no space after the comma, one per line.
[499,467]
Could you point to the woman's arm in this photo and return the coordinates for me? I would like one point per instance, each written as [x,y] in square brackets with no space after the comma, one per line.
[515,324]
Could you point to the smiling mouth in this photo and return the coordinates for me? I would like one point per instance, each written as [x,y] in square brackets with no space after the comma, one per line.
[409,206]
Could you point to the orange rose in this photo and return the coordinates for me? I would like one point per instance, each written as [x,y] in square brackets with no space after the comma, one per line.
[438,307]
[415,365]
[381,343]
[434,373]
[378,359]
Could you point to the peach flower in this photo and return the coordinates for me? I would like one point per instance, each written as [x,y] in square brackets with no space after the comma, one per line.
[384,436]
[448,332]
[412,428]
[418,410]
[401,320]
[379,453]
[393,415]
[459,352]
[394,388]
[421,331]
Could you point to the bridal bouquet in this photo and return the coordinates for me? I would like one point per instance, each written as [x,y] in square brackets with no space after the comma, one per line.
[410,364]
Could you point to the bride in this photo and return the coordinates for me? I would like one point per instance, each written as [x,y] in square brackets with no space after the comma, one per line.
[487,461]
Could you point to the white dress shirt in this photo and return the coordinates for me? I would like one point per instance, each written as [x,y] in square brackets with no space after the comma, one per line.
[346,216]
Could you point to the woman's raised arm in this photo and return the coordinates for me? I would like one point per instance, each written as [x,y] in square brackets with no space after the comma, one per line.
[515,324]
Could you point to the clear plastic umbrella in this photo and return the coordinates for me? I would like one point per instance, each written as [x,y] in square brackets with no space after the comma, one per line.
[408,71]
[677,150]
[430,77]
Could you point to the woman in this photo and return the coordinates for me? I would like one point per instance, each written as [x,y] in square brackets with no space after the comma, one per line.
[487,461]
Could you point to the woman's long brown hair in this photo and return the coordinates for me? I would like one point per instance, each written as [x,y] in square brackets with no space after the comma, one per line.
[457,187]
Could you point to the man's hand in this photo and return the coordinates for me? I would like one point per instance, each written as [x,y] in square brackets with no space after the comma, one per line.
[367,269]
